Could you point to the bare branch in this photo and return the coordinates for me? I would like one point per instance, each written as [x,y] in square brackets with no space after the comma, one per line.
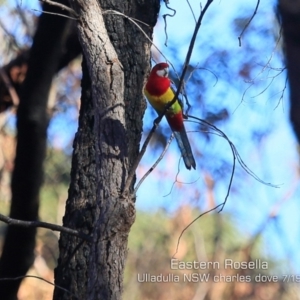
[61,6]
[248,23]
[236,156]
[165,16]
[155,164]
[141,154]
[182,232]
[178,181]
[190,51]
[54,227]
[115,12]
[265,66]
[282,92]
[56,14]
[40,278]
[189,4]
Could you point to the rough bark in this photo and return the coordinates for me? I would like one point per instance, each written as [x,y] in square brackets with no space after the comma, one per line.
[18,251]
[117,56]
[289,12]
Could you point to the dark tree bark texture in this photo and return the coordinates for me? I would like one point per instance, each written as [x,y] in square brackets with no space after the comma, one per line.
[116,60]
[289,12]
[18,251]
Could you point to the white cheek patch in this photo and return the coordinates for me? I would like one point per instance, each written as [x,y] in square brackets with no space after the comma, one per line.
[163,73]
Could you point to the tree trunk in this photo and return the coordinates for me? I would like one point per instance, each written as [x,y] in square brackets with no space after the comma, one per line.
[18,251]
[116,60]
[289,12]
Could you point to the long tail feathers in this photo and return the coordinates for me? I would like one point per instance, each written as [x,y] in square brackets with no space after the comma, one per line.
[185,148]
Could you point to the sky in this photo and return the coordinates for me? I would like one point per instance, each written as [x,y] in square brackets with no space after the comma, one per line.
[254,106]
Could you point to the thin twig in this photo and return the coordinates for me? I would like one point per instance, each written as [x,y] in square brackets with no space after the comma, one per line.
[61,6]
[189,54]
[165,16]
[265,66]
[236,156]
[248,23]
[182,232]
[55,14]
[234,151]
[115,12]
[178,181]
[155,164]
[190,51]
[282,92]
[134,21]
[40,278]
[54,227]
[141,154]
[189,4]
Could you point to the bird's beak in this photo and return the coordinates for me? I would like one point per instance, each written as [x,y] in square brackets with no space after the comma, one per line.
[166,72]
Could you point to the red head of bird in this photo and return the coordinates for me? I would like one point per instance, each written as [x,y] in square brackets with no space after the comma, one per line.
[158,81]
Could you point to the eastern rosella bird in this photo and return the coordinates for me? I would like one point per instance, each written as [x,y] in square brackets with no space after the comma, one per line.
[159,93]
